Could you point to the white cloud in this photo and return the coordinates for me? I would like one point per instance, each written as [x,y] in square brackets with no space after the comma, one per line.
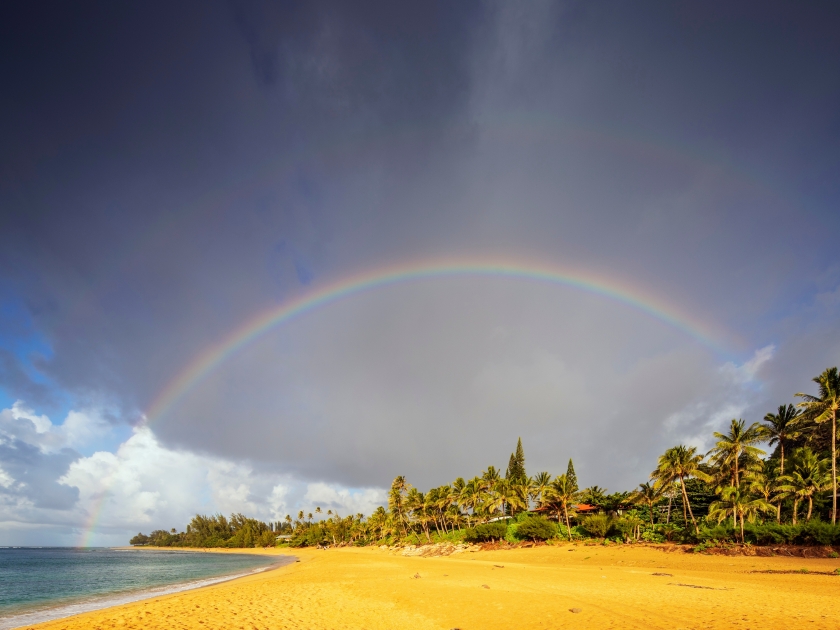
[277,502]
[79,428]
[748,371]
[729,396]
[343,500]
[5,479]
[20,412]
[82,427]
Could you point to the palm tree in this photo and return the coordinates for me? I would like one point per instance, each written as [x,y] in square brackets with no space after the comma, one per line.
[649,495]
[823,408]
[378,520]
[558,496]
[808,477]
[765,483]
[499,496]
[471,497]
[539,484]
[396,501]
[594,495]
[781,427]
[680,463]
[738,502]
[738,443]
[447,499]
[417,503]
[490,477]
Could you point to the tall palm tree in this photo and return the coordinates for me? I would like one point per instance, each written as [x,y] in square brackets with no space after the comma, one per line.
[471,497]
[418,504]
[558,496]
[396,501]
[490,477]
[737,444]
[678,464]
[540,483]
[648,494]
[378,520]
[498,496]
[823,408]
[520,495]
[781,427]
[808,477]
[738,502]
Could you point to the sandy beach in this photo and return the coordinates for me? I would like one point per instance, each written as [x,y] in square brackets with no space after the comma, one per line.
[544,587]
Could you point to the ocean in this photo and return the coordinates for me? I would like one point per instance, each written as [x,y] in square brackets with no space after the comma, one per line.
[44,583]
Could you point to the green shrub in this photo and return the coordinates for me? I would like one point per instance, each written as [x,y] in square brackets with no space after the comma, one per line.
[598,525]
[511,535]
[454,536]
[818,533]
[536,528]
[626,526]
[486,532]
[670,531]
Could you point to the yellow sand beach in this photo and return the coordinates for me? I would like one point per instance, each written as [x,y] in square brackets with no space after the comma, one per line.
[544,587]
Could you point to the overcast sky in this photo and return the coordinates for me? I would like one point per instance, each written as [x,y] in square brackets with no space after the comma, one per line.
[169,171]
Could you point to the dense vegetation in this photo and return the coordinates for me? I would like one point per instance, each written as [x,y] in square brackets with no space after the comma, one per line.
[215,531]
[733,493]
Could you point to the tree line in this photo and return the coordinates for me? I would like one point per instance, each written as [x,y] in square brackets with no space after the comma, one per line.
[214,531]
[734,492]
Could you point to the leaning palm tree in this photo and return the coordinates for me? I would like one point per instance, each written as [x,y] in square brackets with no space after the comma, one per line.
[680,463]
[737,444]
[781,427]
[740,504]
[648,494]
[823,408]
[808,477]
[558,496]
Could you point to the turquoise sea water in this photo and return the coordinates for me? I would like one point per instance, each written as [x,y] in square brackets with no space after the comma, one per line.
[38,584]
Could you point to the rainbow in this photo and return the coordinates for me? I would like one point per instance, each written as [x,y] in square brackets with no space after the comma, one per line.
[213,356]
[205,362]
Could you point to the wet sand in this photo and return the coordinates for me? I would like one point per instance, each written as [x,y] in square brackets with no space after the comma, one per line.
[524,588]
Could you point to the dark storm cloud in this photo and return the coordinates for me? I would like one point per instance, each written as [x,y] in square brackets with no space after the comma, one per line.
[169,170]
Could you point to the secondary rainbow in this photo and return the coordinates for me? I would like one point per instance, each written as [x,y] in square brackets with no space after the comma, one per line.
[214,355]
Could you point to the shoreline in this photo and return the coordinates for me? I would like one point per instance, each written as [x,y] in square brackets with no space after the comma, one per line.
[68,609]
[548,586]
